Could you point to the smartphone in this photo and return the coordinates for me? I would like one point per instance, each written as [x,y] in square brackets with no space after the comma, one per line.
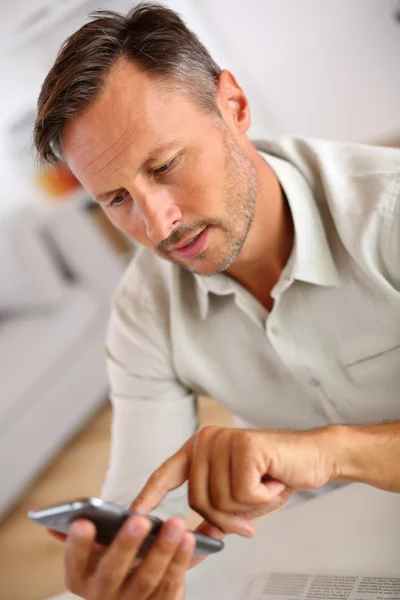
[108,518]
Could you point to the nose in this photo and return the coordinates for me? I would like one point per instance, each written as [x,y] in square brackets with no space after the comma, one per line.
[160,215]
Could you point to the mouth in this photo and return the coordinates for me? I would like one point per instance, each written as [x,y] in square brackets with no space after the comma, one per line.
[192,247]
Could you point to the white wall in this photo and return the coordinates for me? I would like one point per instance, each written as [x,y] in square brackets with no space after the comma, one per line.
[311,67]
[13,94]
[327,68]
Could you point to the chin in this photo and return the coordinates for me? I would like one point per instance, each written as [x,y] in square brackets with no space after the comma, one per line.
[205,270]
[207,267]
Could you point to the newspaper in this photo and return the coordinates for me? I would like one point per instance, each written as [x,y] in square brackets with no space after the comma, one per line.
[299,586]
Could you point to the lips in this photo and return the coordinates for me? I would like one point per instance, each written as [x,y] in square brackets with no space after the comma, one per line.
[188,242]
[193,247]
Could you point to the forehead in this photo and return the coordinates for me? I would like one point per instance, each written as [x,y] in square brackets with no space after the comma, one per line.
[133,113]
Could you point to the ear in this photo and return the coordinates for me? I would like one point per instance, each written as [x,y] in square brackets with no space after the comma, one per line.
[232,102]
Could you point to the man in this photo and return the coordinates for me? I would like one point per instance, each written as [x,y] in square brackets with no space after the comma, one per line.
[268,278]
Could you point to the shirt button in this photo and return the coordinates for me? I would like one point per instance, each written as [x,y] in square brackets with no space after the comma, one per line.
[274,330]
[314,382]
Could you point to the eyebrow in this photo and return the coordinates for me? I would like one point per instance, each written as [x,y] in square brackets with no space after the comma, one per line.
[150,158]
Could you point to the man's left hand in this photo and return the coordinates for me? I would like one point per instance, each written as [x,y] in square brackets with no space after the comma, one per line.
[236,475]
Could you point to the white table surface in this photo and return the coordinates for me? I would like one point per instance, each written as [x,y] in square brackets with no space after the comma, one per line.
[354,530]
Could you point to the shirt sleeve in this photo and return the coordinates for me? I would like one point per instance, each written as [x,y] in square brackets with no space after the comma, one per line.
[153,413]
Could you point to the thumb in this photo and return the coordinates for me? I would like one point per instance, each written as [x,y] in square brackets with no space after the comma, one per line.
[172,474]
[272,487]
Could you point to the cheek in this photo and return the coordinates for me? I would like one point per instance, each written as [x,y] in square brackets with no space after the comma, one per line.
[198,195]
[129,222]
[208,184]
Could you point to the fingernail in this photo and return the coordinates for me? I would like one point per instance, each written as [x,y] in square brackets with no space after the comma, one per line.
[188,542]
[137,527]
[172,531]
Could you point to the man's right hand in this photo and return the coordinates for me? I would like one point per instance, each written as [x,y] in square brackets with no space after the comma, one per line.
[96,573]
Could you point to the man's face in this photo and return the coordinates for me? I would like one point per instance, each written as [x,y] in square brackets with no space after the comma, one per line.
[168,174]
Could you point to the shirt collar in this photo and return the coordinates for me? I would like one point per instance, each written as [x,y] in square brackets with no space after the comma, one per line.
[219,284]
[311,259]
[312,256]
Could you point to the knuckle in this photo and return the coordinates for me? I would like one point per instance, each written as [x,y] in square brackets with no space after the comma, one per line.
[154,482]
[170,584]
[105,579]
[246,441]
[193,500]
[156,476]
[206,432]
[197,504]
[143,583]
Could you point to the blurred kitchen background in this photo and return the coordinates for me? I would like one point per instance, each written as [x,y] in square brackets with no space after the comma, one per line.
[322,68]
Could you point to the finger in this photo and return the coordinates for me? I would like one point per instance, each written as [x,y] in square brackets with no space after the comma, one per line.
[115,565]
[219,485]
[172,474]
[220,478]
[62,537]
[272,506]
[206,528]
[146,578]
[78,550]
[199,498]
[174,579]
[199,472]
[250,481]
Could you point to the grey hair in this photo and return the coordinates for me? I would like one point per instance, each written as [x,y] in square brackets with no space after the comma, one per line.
[151,36]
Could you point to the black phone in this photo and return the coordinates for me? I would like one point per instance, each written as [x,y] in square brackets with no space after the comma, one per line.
[108,518]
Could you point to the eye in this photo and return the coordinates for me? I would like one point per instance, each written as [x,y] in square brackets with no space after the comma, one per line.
[119,199]
[165,168]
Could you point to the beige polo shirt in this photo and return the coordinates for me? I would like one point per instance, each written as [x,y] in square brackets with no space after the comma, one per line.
[329,351]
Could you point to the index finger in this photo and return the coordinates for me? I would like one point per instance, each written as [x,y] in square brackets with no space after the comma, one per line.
[172,474]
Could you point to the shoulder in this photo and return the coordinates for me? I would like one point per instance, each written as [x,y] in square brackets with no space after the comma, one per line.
[357,190]
[351,177]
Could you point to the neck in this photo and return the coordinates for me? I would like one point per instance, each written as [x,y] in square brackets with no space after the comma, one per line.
[270,240]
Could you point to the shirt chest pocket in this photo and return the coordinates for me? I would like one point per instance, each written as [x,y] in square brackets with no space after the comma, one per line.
[371,384]
[373,361]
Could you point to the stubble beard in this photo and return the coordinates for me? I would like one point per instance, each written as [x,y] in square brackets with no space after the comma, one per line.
[240,192]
